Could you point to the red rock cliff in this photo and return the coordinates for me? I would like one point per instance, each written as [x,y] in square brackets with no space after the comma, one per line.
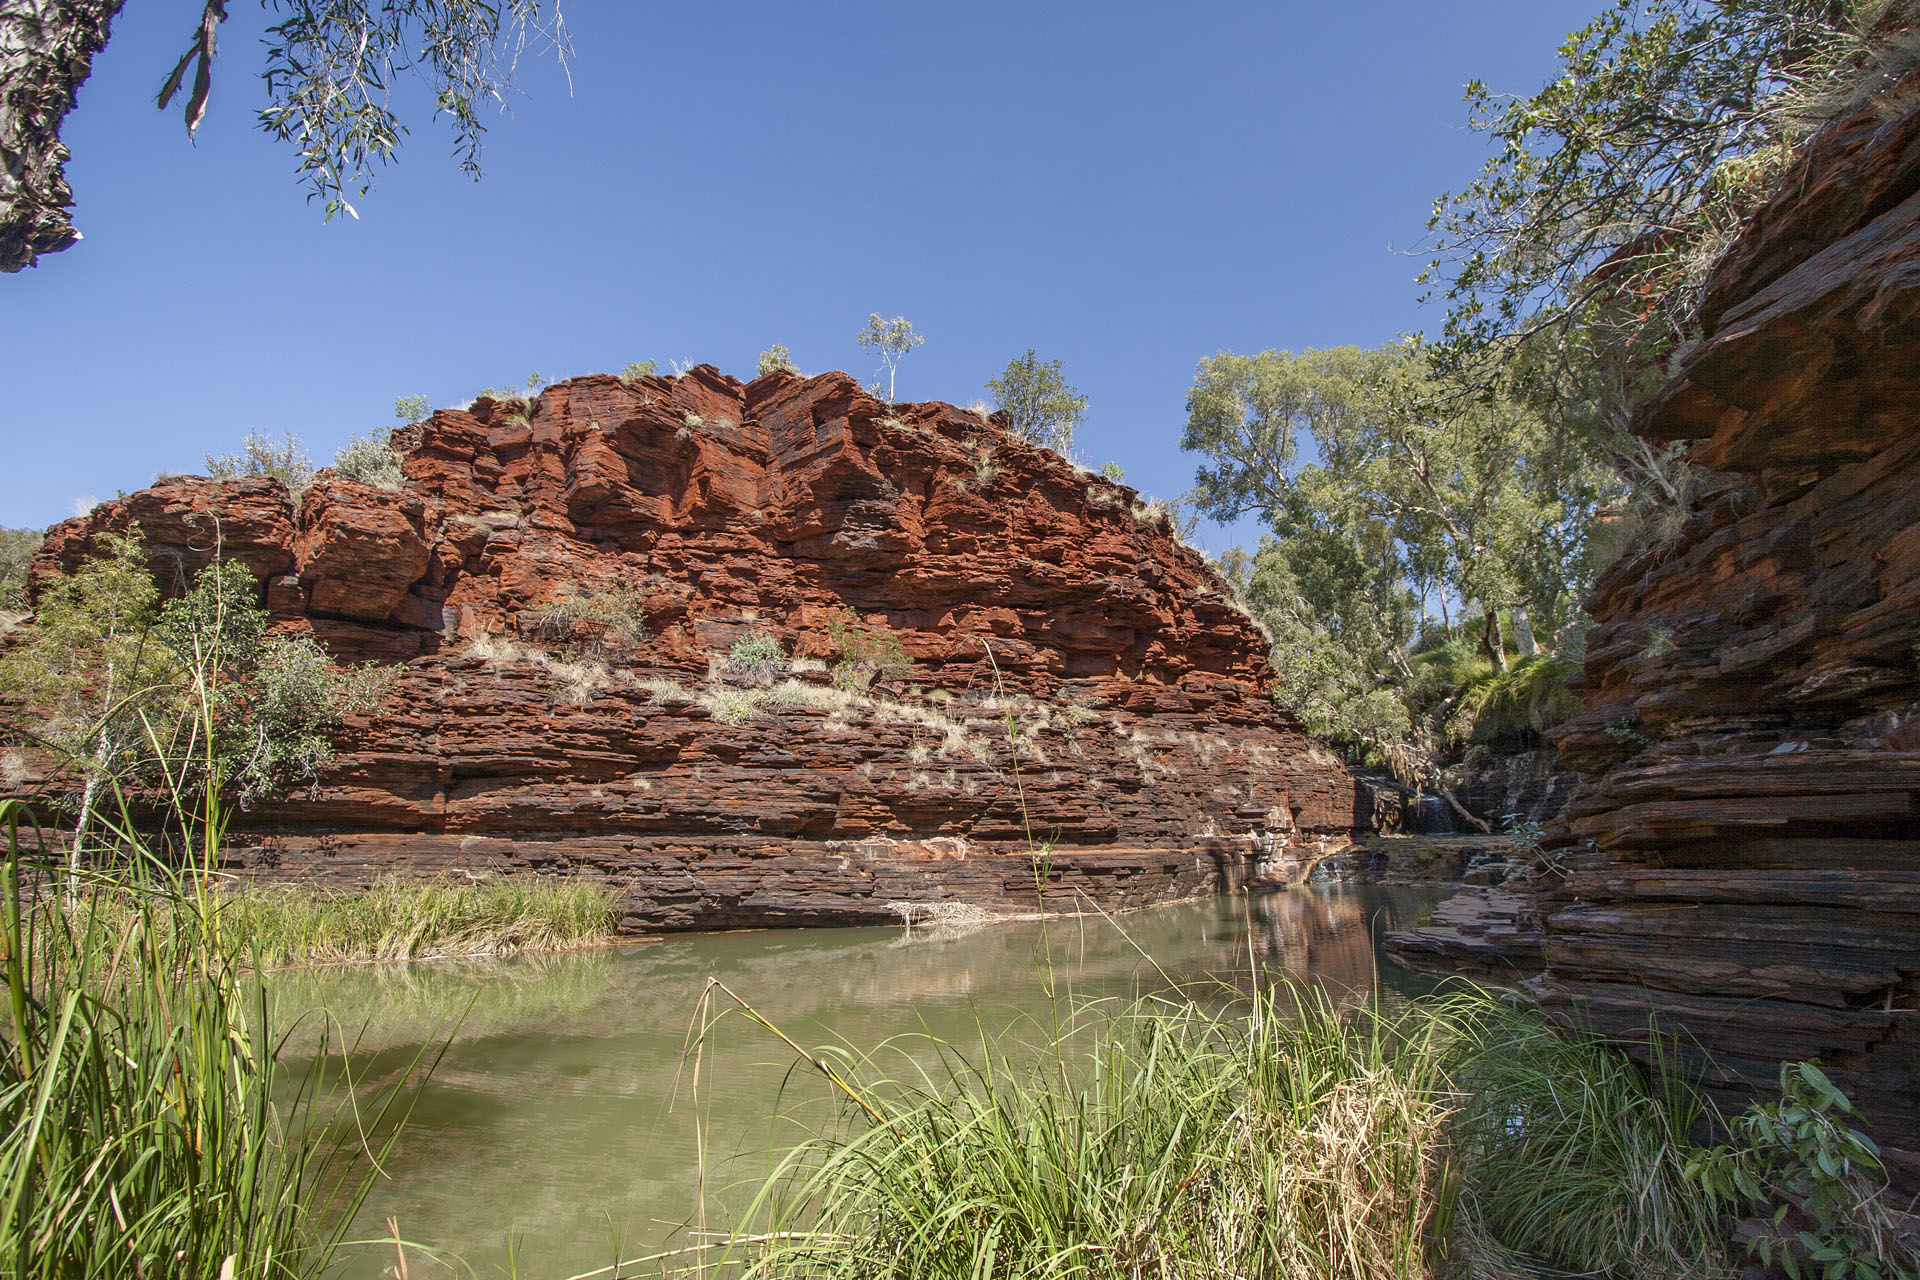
[1151,754]
[1746,856]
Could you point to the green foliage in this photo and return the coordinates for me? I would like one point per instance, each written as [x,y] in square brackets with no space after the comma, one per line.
[330,68]
[1574,265]
[411,408]
[1519,703]
[278,698]
[1574,1155]
[1040,407]
[119,681]
[1383,494]
[891,340]
[88,670]
[1155,1140]
[638,369]
[604,622]
[1282,1137]
[370,459]
[148,1126]
[867,653]
[1112,471]
[1668,121]
[286,462]
[535,381]
[1818,1179]
[775,359]
[17,550]
[757,656]
[421,920]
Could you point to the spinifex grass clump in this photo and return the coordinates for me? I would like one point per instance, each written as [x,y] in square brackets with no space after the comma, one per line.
[147,1127]
[394,920]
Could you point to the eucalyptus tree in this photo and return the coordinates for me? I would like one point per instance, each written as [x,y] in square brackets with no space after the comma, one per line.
[890,340]
[329,71]
[1380,490]
[17,549]
[1041,407]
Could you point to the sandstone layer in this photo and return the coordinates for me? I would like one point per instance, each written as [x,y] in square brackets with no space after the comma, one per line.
[1743,858]
[528,734]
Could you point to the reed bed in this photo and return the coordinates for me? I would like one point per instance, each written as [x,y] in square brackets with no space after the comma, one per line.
[147,1125]
[1280,1137]
[392,921]
[418,920]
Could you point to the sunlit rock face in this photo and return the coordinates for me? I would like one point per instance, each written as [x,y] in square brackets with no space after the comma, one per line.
[1146,758]
[1746,847]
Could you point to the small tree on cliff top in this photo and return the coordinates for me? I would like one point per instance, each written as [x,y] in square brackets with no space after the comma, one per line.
[891,340]
[1040,407]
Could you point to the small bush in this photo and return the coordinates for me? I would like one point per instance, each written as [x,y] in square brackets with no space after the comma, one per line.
[1112,471]
[1818,1180]
[411,408]
[985,469]
[286,462]
[638,369]
[370,459]
[775,359]
[17,549]
[598,622]
[756,656]
[734,706]
[866,653]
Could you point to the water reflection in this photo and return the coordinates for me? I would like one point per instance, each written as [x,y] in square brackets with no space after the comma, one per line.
[553,1117]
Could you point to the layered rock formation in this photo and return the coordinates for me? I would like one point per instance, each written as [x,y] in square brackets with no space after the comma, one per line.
[1743,859]
[528,732]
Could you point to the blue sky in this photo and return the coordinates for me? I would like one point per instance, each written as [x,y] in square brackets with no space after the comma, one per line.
[1124,187]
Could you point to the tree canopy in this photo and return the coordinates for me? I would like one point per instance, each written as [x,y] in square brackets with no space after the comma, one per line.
[1041,407]
[1388,501]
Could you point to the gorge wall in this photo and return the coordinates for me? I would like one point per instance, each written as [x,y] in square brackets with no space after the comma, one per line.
[522,738]
[1743,858]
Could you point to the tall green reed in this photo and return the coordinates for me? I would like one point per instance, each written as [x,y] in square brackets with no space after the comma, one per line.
[148,1127]
[147,1124]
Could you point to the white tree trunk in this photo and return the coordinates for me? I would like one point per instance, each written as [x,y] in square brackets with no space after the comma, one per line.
[1523,641]
[46,53]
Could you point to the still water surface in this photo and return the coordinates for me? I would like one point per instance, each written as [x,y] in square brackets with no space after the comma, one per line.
[560,1119]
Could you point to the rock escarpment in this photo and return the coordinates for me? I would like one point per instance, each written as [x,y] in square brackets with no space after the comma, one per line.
[1744,856]
[527,732]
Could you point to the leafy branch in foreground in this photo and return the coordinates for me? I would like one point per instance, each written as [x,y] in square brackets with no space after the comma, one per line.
[1575,265]
[1819,1180]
